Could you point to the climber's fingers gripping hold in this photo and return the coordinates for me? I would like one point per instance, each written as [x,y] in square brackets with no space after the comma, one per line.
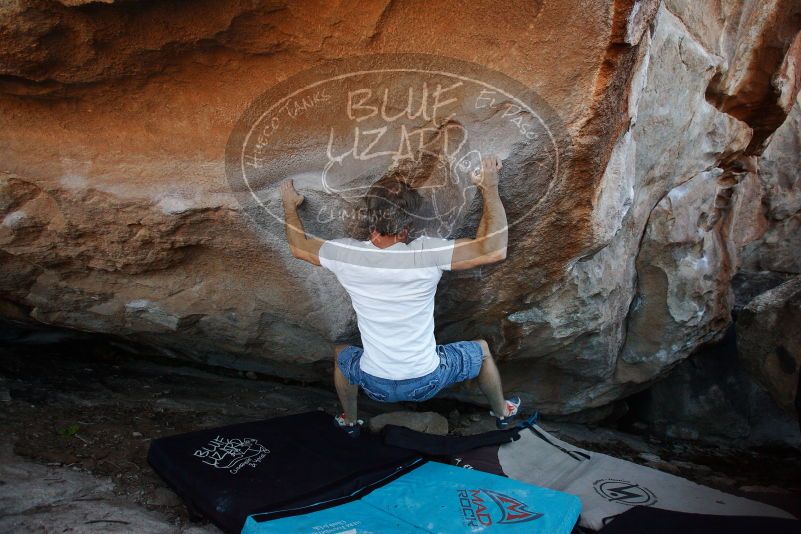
[487,174]
[289,195]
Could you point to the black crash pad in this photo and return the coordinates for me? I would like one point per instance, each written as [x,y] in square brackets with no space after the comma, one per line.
[655,521]
[231,472]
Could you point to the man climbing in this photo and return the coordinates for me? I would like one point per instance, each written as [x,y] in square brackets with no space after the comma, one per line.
[392,281]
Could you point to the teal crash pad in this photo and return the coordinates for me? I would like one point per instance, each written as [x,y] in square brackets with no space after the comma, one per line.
[436,497]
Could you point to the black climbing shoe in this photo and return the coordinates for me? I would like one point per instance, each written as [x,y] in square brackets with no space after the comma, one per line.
[512,409]
[352,429]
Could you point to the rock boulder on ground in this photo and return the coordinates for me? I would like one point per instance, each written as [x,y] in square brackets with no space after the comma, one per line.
[118,216]
[712,398]
[428,422]
[39,498]
[769,342]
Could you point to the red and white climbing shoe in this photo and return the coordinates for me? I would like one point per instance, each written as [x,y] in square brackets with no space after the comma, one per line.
[512,409]
[351,429]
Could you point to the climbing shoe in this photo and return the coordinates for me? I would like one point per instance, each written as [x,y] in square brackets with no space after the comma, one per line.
[512,409]
[352,429]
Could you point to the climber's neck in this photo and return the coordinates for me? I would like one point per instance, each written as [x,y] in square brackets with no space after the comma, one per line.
[384,241]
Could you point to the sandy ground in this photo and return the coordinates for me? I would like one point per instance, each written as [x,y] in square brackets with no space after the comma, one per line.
[77,424]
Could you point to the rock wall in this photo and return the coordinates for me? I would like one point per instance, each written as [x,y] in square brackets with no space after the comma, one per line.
[779,190]
[712,397]
[117,216]
[769,342]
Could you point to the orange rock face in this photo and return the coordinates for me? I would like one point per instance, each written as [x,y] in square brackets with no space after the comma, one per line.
[119,215]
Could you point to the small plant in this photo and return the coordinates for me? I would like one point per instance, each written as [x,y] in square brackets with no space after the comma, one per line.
[70,430]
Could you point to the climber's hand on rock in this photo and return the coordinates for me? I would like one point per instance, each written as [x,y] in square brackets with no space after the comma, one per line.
[289,195]
[487,175]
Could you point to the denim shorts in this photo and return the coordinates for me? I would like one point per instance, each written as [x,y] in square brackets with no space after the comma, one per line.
[458,362]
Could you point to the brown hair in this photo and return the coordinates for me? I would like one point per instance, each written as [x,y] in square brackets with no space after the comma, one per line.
[392,204]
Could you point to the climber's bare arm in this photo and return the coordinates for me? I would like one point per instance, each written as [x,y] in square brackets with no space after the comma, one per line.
[302,246]
[489,245]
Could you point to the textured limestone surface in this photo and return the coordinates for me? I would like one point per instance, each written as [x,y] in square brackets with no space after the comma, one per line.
[777,249]
[680,170]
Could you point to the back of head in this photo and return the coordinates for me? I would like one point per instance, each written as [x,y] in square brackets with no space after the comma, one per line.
[392,204]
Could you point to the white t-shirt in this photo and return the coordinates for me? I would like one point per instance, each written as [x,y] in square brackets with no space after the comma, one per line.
[392,291]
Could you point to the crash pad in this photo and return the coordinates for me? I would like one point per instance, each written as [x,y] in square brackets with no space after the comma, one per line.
[436,497]
[228,473]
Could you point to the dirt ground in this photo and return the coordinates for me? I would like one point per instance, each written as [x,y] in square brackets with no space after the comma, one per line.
[90,412]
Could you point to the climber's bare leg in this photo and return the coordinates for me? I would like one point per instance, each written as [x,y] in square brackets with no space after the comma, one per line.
[348,393]
[489,380]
